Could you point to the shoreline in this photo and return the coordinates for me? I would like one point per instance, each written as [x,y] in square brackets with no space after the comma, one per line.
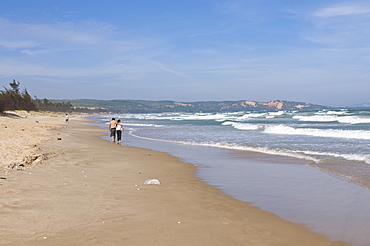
[288,187]
[92,191]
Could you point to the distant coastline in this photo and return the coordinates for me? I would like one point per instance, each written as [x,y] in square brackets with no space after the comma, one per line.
[143,106]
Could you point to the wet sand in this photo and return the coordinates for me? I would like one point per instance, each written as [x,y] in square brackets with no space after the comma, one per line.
[85,190]
[286,186]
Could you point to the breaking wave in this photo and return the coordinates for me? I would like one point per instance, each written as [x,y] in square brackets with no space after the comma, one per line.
[288,130]
[223,145]
[334,118]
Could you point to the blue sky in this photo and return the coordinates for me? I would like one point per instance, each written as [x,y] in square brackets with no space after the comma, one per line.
[315,51]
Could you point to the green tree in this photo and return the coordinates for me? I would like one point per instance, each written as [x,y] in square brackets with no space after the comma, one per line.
[13,99]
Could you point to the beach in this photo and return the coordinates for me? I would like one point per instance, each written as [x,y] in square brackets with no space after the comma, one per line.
[62,184]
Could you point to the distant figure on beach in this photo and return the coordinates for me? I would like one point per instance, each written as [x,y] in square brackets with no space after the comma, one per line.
[112,129]
[119,130]
[67,118]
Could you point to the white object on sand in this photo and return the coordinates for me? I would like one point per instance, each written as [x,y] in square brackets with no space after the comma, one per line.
[152,182]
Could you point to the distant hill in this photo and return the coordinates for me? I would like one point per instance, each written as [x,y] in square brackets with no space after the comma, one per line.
[142,106]
[361,105]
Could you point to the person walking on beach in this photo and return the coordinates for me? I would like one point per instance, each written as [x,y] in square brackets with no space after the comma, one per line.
[119,130]
[112,129]
[67,118]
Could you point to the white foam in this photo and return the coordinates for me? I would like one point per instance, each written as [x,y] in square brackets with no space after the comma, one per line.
[341,112]
[351,157]
[348,134]
[334,118]
[244,126]
[288,130]
[278,113]
[316,118]
[306,155]
[252,115]
[333,112]
[237,147]
[140,125]
[183,116]
[354,120]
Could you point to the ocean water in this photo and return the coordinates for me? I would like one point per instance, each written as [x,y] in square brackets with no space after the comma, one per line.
[315,167]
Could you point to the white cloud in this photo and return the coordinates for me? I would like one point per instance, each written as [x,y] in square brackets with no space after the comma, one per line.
[162,67]
[74,49]
[67,35]
[17,44]
[341,10]
[341,27]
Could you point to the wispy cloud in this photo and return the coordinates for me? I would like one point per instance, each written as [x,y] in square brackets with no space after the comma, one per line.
[341,10]
[164,68]
[341,26]
[70,49]
[31,38]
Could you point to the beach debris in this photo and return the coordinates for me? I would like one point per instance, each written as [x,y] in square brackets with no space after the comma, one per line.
[152,182]
[2,178]
[33,159]
[59,138]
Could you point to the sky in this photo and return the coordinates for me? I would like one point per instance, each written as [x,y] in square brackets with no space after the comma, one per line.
[315,51]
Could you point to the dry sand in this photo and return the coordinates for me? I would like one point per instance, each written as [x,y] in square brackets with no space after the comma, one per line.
[88,191]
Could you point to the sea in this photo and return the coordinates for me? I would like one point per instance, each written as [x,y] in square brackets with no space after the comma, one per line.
[311,168]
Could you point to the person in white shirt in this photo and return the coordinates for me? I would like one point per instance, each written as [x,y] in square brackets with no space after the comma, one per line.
[119,130]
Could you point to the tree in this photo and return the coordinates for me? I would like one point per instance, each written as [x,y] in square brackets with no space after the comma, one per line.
[15,86]
[47,105]
[13,99]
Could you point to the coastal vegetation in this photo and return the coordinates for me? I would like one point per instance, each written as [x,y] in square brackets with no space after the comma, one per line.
[47,105]
[14,99]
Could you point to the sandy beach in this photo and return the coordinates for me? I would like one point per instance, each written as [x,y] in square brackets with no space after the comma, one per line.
[61,184]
